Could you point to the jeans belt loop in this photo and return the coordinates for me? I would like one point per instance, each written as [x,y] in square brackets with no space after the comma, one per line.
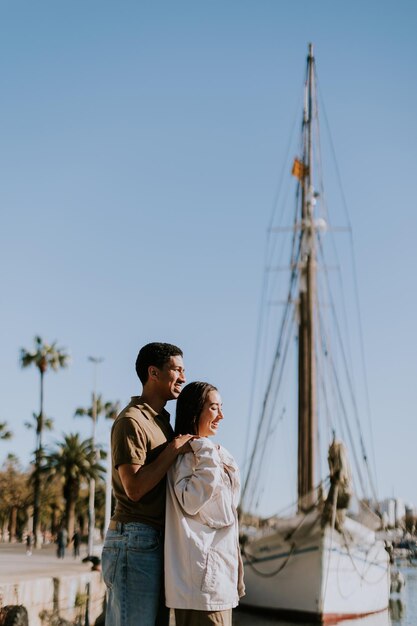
[119,526]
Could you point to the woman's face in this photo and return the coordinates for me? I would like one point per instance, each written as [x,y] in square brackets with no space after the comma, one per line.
[210,415]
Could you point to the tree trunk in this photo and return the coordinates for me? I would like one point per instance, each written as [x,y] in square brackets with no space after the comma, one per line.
[54,520]
[37,478]
[71,520]
[70,501]
[13,524]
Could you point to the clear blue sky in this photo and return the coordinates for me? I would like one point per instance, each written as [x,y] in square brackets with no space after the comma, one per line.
[141,145]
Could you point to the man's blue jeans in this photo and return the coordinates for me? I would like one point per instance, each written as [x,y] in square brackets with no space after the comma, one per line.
[133,570]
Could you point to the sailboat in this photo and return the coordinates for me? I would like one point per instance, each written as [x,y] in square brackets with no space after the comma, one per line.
[324,562]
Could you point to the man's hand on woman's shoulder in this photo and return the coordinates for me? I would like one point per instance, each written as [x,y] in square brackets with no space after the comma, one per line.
[181,444]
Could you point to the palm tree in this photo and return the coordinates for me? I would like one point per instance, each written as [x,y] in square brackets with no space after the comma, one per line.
[15,497]
[75,462]
[45,356]
[52,510]
[4,433]
[40,423]
[110,411]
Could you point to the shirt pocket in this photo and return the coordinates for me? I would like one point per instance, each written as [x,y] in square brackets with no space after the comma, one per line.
[218,511]
[219,579]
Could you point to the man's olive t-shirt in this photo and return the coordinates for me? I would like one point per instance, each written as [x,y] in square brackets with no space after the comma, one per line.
[138,436]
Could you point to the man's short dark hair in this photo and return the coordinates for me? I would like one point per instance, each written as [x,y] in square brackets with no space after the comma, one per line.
[154,354]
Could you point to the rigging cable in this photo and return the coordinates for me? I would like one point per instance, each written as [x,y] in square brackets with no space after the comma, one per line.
[294,257]
[260,447]
[324,340]
[356,291]
[339,337]
[344,413]
[349,381]
[268,255]
[267,395]
[326,214]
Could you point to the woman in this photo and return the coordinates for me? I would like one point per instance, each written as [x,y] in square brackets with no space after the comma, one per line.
[203,567]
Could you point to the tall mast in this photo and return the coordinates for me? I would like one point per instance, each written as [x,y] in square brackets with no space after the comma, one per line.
[307,417]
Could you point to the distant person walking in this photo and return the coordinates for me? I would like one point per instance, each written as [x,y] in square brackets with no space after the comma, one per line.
[61,540]
[29,544]
[143,448]
[76,540]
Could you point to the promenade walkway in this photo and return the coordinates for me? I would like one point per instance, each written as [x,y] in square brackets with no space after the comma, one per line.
[19,569]
[16,565]
[49,588]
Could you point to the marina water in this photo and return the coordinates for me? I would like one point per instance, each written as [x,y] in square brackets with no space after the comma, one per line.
[403,610]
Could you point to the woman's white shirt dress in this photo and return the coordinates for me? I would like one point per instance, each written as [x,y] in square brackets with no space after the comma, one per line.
[203,566]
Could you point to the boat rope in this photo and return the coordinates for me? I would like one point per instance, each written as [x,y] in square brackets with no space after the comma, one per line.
[256,369]
[293,546]
[325,388]
[362,575]
[321,384]
[346,420]
[322,486]
[349,431]
[269,252]
[281,351]
[273,392]
[259,447]
[356,291]
[349,381]
[370,564]
[333,525]
[268,574]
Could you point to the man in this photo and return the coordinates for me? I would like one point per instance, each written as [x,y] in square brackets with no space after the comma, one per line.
[76,540]
[143,449]
[62,540]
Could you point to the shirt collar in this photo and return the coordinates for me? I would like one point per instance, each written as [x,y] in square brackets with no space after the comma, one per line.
[147,410]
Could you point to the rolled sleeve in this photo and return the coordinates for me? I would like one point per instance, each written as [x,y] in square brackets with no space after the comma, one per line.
[195,481]
[129,444]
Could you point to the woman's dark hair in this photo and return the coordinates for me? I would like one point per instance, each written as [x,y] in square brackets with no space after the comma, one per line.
[190,404]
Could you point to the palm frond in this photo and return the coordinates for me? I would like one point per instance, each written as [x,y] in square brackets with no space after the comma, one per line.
[4,433]
[45,356]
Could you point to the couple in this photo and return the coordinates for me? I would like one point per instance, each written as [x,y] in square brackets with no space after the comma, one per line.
[185,479]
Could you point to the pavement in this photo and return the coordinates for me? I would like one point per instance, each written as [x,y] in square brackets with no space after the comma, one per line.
[16,565]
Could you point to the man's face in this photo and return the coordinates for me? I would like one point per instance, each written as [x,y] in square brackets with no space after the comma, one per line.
[170,378]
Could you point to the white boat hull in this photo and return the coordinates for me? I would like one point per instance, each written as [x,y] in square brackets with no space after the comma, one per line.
[325,574]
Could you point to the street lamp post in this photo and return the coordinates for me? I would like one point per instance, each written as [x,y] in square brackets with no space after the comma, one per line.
[107,510]
[112,414]
[91,498]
